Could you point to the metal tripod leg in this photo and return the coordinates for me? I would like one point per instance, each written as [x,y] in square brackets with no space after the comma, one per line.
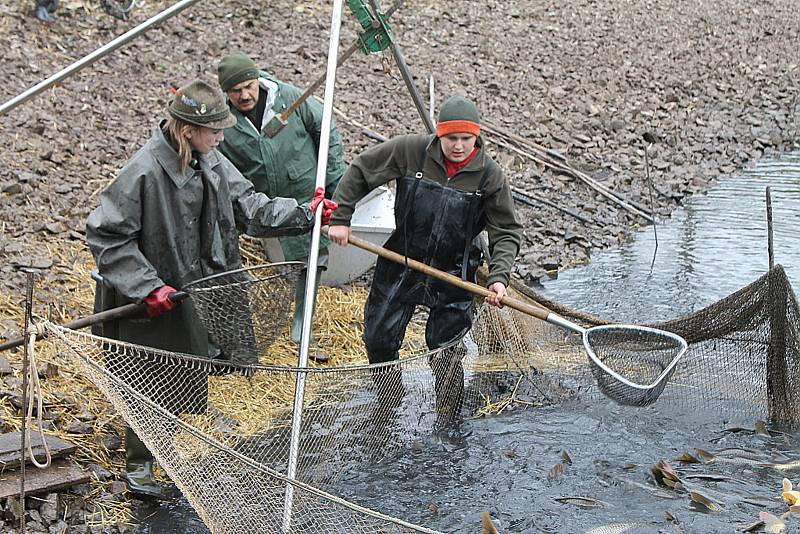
[412,88]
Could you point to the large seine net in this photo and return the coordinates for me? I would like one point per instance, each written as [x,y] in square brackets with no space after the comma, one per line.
[229,453]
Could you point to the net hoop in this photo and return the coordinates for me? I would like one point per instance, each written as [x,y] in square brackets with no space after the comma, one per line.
[199,284]
[665,374]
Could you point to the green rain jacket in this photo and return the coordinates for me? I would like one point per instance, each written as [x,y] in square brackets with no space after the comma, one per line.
[159,225]
[286,164]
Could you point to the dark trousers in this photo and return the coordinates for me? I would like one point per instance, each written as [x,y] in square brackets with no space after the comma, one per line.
[385,326]
[385,322]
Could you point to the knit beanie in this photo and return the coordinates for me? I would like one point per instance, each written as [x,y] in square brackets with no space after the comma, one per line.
[458,115]
[236,68]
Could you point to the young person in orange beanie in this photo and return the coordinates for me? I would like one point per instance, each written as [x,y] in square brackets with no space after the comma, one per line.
[448,190]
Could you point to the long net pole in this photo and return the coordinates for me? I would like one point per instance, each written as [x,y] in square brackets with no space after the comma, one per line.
[97,54]
[311,270]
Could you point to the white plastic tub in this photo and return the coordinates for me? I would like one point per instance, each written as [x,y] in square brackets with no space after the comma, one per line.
[373,221]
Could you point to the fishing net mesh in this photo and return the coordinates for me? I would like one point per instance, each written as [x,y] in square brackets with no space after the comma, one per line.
[742,358]
[631,364]
[226,302]
[223,435]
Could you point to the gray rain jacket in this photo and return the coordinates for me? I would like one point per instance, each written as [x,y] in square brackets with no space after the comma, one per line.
[157,225]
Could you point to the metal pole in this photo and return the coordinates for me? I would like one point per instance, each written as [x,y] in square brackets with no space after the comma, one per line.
[311,268]
[431,99]
[412,88]
[650,192]
[23,426]
[97,54]
[770,249]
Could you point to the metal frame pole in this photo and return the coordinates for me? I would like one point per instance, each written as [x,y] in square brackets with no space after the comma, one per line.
[412,88]
[311,268]
[23,427]
[431,99]
[94,56]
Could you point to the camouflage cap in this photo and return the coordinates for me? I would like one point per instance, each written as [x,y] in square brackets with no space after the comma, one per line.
[201,104]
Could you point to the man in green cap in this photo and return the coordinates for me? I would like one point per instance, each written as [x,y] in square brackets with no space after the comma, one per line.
[172,216]
[448,191]
[283,163]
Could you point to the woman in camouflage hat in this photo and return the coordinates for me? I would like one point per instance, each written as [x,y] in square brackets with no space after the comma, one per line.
[172,216]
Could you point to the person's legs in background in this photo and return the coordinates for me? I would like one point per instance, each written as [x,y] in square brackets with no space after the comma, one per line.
[300,294]
[299,302]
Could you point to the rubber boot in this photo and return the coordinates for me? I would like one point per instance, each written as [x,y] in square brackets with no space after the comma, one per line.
[44,8]
[139,468]
[299,302]
[448,374]
[388,381]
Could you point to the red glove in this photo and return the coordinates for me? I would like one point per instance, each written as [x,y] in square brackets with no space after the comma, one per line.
[158,301]
[327,205]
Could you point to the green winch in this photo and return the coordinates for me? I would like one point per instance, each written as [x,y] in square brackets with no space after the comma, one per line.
[377,35]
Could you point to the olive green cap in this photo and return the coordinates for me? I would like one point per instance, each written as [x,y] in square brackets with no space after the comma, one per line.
[458,115]
[236,68]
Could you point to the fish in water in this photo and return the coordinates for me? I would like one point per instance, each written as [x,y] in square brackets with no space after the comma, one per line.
[618,528]
[790,495]
[741,457]
[789,466]
[488,526]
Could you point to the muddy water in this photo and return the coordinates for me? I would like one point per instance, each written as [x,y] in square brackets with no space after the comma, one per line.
[586,466]
[507,465]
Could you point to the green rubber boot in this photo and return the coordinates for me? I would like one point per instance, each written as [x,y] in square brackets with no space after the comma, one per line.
[139,468]
[299,302]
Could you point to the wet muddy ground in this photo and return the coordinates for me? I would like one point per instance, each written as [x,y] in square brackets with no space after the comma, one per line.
[715,85]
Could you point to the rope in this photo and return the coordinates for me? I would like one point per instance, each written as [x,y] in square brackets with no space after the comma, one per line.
[35,390]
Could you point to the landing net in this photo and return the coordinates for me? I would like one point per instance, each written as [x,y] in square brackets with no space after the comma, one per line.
[632,364]
[222,435]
